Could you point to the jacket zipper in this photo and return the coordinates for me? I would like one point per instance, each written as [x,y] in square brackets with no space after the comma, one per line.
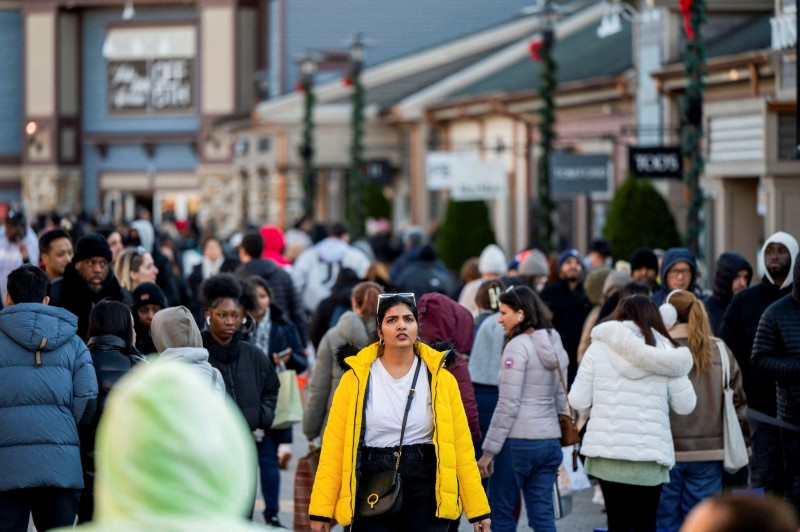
[434,394]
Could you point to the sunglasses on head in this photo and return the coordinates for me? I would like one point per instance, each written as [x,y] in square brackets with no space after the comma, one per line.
[510,290]
[407,297]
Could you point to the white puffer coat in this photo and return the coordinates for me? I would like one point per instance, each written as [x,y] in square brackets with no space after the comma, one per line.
[630,387]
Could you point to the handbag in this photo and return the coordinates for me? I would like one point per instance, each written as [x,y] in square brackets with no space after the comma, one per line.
[382,492]
[735,449]
[303,482]
[289,407]
[570,435]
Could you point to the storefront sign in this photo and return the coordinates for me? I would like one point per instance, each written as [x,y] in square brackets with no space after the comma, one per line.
[150,86]
[466,176]
[662,161]
[579,174]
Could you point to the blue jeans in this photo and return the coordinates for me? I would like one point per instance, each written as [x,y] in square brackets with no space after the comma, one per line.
[270,474]
[530,466]
[689,483]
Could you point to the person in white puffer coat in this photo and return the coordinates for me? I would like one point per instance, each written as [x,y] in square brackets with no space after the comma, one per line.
[630,377]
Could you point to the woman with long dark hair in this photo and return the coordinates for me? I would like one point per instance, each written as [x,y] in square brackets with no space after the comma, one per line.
[398,382]
[631,375]
[522,451]
[112,341]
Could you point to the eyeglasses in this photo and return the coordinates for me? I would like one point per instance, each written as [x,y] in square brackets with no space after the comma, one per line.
[680,272]
[407,297]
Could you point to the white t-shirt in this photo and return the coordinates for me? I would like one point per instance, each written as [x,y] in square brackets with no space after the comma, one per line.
[386,404]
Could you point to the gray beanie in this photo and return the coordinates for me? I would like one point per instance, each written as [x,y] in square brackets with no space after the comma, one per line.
[535,264]
[616,279]
[175,327]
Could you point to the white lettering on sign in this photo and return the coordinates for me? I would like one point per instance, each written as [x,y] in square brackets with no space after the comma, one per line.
[657,162]
[157,85]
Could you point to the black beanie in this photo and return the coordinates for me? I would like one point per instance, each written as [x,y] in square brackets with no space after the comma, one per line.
[91,245]
[644,258]
[148,294]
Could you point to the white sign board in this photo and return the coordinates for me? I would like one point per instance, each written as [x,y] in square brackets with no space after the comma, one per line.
[466,176]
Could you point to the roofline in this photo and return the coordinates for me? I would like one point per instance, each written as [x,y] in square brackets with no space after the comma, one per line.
[672,78]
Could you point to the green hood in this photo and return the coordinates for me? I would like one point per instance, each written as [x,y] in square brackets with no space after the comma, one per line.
[172,455]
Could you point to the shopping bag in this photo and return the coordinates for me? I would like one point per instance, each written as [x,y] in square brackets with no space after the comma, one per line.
[303,482]
[571,480]
[289,409]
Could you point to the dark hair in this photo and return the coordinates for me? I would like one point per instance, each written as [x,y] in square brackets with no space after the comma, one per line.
[46,239]
[488,295]
[536,313]
[602,247]
[219,287]
[27,284]
[249,299]
[210,238]
[114,318]
[743,513]
[389,300]
[253,244]
[610,304]
[338,229]
[642,311]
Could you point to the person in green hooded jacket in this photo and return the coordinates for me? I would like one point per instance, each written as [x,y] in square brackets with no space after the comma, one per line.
[172,455]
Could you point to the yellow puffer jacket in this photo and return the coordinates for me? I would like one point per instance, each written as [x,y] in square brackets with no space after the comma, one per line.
[458,482]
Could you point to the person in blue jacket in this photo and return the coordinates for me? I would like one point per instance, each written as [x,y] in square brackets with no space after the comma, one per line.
[48,386]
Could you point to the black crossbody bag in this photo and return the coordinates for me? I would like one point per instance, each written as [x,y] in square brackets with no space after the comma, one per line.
[382,492]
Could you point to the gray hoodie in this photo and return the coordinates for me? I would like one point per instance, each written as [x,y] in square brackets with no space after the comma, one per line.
[176,337]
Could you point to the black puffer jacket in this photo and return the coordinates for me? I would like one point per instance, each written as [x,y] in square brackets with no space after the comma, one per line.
[249,376]
[283,292]
[776,351]
[728,265]
[738,330]
[569,308]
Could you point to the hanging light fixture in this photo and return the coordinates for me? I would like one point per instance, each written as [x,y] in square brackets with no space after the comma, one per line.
[128,12]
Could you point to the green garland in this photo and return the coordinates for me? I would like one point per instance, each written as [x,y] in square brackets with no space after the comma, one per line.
[307,148]
[692,124]
[547,119]
[356,188]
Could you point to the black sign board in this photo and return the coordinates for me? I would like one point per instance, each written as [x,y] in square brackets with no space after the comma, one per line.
[379,172]
[660,161]
[150,86]
[572,174]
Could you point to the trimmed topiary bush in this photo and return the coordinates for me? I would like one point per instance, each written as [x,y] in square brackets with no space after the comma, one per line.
[639,216]
[466,230]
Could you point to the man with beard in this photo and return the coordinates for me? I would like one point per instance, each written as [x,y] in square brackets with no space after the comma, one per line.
[88,279]
[776,355]
[738,330]
[567,300]
[18,246]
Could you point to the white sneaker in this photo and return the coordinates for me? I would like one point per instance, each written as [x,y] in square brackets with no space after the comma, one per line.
[597,498]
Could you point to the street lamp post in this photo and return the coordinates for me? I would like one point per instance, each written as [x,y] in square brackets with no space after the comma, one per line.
[356,185]
[308,67]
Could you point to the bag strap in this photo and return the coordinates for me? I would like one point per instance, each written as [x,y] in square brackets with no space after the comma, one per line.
[411,393]
[726,365]
[563,384]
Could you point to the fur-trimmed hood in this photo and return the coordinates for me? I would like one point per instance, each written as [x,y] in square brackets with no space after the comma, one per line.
[634,359]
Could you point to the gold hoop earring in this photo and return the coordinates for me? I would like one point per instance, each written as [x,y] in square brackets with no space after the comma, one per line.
[381,342]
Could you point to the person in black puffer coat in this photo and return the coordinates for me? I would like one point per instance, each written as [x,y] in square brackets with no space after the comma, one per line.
[332,307]
[776,354]
[249,376]
[111,344]
[733,274]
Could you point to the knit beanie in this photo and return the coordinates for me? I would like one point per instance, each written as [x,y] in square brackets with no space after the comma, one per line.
[564,255]
[148,294]
[616,279]
[91,245]
[644,258]
[534,264]
[492,260]
[593,285]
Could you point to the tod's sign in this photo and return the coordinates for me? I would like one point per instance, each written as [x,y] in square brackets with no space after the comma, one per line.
[656,162]
[150,86]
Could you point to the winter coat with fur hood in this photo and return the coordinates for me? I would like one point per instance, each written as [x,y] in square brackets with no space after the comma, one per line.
[630,387]
[531,395]
[350,329]
[458,483]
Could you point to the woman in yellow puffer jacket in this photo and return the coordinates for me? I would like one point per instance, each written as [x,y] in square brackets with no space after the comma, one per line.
[437,464]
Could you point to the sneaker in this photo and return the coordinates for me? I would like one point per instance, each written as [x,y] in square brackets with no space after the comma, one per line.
[597,497]
[274,522]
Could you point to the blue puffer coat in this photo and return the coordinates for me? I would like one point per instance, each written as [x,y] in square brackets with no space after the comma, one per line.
[40,406]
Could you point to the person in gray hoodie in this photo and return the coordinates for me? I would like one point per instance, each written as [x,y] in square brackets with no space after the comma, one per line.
[176,336]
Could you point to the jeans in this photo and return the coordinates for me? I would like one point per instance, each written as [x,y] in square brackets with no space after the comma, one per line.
[532,467]
[689,483]
[766,469]
[418,474]
[270,473]
[630,507]
[50,507]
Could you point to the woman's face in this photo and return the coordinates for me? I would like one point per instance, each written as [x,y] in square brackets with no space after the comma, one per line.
[225,319]
[262,298]
[399,328]
[147,271]
[212,250]
[509,318]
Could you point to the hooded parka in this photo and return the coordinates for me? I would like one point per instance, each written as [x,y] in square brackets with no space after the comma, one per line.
[458,482]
